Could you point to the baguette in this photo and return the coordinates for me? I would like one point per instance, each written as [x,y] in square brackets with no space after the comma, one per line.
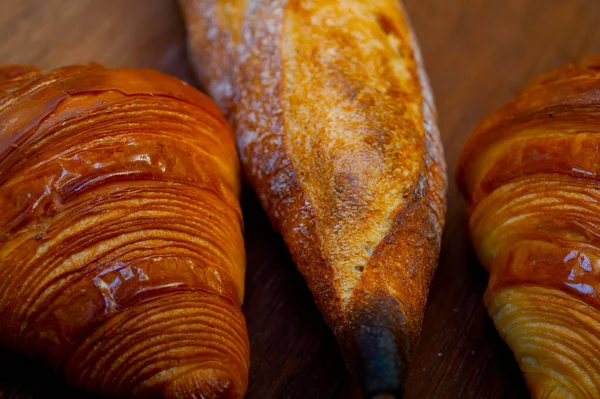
[336,130]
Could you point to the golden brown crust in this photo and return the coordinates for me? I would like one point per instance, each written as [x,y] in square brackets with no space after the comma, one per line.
[336,131]
[531,174]
[121,251]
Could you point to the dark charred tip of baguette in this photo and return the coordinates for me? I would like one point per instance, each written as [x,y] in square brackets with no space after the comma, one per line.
[385,381]
[384,396]
[377,347]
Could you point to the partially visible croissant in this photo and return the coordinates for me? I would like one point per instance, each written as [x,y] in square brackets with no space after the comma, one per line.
[121,250]
[531,173]
[337,134]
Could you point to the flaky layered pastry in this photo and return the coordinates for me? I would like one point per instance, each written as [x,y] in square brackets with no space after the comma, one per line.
[337,134]
[531,175]
[121,252]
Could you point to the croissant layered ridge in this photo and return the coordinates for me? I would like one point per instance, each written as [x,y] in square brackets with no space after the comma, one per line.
[530,175]
[121,252]
[337,133]
[554,336]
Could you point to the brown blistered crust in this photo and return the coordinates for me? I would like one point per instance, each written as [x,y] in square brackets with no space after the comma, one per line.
[337,134]
[121,252]
[531,174]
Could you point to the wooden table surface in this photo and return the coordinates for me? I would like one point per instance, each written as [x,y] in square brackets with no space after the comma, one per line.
[478,54]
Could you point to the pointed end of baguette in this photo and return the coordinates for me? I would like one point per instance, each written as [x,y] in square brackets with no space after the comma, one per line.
[385,370]
[377,340]
[384,373]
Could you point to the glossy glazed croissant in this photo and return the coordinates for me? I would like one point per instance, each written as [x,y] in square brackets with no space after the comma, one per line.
[531,173]
[337,134]
[121,252]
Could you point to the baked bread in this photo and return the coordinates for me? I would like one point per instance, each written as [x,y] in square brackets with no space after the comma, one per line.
[530,172]
[336,130]
[121,252]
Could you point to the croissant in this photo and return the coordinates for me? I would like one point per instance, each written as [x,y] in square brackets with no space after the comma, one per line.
[121,250]
[337,134]
[530,173]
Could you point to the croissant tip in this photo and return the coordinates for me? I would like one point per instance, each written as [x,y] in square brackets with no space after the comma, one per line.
[203,383]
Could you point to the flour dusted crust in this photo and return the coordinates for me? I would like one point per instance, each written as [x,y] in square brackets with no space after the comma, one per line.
[336,131]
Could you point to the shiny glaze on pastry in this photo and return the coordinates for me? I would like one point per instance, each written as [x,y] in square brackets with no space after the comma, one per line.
[530,173]
[121,252]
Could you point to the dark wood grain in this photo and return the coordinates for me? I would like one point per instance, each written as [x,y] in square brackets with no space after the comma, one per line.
[478,54]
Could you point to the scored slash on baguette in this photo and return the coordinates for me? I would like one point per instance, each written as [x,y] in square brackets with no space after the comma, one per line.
[337,134]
